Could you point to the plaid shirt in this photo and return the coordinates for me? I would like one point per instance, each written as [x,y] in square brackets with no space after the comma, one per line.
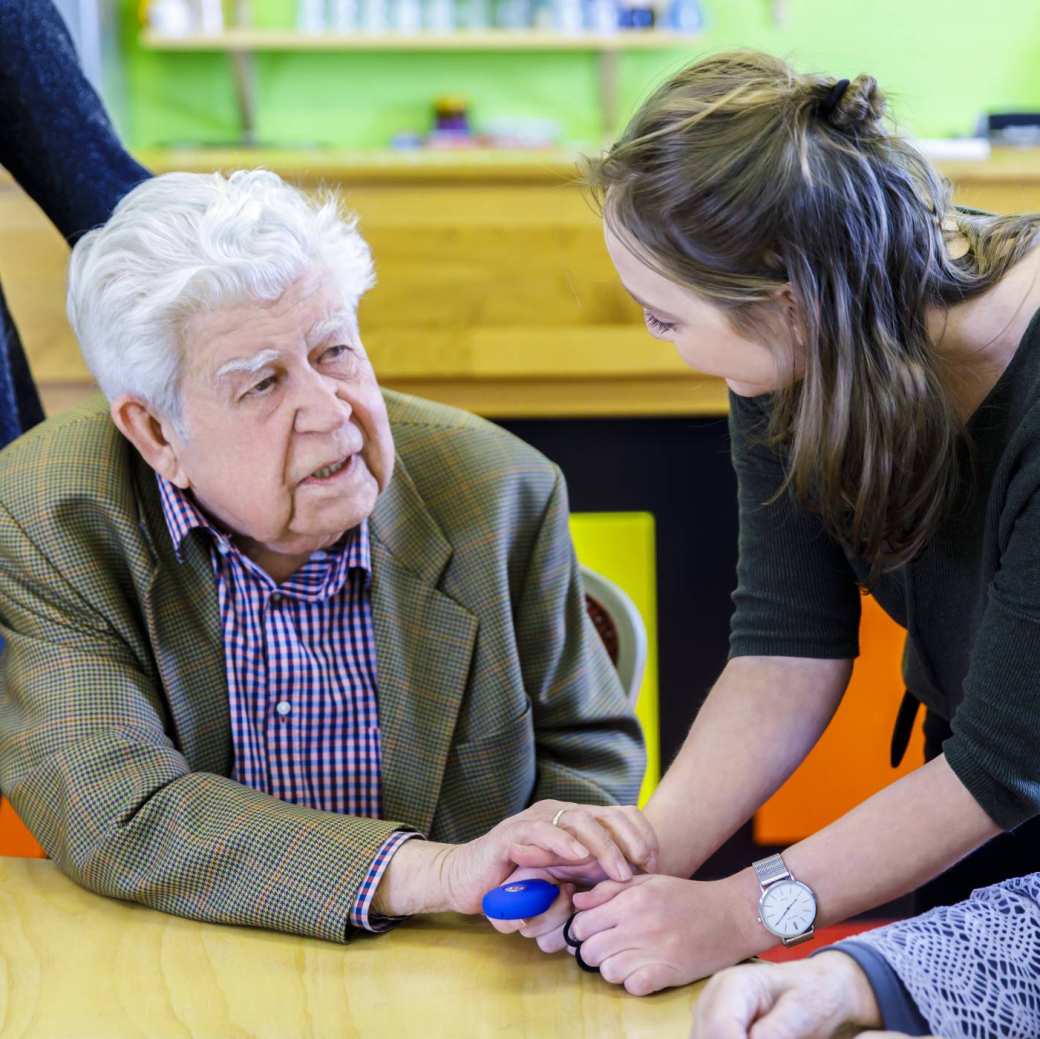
[301,674]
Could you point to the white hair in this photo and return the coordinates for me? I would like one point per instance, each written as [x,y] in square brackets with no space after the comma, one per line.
[184,243]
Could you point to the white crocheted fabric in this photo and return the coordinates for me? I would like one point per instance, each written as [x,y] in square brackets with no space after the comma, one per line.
[974,968]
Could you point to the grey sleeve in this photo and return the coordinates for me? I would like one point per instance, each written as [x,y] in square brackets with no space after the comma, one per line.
[796,593]
[972,969]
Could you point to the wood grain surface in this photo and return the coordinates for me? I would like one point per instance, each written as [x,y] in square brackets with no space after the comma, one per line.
[74,965]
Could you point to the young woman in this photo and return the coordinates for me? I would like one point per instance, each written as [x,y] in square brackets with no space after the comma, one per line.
[883,353]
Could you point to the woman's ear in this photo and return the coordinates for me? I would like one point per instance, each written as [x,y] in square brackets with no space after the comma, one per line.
[792,314]
[152,437]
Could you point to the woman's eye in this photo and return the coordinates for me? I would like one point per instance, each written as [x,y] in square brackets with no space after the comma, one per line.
[656,325]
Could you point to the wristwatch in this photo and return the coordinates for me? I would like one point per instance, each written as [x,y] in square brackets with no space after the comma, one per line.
[787,907]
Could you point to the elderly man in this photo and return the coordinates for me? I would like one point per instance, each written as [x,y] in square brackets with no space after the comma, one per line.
[267,623]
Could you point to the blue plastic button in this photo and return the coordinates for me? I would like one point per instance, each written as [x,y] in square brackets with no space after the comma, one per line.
[520,900]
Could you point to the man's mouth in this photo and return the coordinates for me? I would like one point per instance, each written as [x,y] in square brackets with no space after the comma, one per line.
[332,469]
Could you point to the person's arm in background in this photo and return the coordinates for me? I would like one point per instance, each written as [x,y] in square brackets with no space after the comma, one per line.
[58,144]
[827,995]
[961,971]
[58,141]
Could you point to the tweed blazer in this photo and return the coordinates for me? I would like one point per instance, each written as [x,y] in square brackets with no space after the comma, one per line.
[115,745]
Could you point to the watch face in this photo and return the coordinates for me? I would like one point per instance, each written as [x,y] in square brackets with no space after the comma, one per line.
[787,908]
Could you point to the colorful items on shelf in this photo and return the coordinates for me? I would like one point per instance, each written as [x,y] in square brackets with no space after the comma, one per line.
[441,17]
[452,130]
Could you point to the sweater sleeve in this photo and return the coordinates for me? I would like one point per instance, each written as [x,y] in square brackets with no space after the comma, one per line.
[972,969]
[899,1012]
[796,593]
[995,746]
[58,142]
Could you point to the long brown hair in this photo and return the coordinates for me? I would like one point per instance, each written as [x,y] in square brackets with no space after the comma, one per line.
[738,177]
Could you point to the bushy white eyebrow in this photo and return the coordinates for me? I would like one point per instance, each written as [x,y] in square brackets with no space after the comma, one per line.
[340,322]
[247,364]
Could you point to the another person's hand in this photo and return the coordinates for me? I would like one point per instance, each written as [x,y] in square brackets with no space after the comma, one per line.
[805,999]
[657,932]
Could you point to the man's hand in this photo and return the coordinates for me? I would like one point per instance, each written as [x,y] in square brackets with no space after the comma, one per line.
[615,834]
[424,877]
[816,998]
[619,834]
[547,929]
[658,931]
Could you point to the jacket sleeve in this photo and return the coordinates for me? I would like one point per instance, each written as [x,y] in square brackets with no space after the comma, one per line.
[589,743]
[58,141]
[87,761]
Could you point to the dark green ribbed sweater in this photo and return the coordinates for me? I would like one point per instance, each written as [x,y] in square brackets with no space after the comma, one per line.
[970,601]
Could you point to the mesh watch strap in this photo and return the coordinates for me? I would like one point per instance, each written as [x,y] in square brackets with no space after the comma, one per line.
[770,870]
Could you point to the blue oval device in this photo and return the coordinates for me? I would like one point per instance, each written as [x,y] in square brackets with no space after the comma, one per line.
[520,900]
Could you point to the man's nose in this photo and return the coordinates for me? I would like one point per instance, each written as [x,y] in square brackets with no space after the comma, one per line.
[319,407]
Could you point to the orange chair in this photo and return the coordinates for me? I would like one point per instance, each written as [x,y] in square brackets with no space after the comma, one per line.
[15,838]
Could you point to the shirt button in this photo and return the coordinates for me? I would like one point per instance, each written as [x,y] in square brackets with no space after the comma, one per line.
[283,707]
[276,599]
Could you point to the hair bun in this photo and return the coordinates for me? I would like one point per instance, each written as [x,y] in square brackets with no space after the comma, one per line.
[860,109]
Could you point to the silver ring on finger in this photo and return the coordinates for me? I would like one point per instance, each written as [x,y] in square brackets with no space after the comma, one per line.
[558,816]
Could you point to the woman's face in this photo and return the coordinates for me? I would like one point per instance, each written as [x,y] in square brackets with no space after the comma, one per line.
[702,332]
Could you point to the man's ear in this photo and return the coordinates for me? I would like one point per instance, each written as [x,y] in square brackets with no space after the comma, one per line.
[154,439]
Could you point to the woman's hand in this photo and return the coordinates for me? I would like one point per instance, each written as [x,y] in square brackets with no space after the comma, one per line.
[814,998]
[658,931]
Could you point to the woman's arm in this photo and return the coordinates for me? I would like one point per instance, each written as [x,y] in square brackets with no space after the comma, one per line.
[760,720]
[658,931]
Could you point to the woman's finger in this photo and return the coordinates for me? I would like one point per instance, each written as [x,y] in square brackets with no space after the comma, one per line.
[599,895]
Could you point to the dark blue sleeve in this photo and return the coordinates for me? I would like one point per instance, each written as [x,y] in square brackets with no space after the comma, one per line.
[55,136]
[899,1012]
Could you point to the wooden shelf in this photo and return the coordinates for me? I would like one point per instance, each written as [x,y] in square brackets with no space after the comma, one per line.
[239,40]
[242,44]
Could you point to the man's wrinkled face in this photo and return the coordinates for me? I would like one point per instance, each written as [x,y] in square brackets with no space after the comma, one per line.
[287,442]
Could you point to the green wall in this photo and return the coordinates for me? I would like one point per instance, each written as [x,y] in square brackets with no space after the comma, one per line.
[940,62]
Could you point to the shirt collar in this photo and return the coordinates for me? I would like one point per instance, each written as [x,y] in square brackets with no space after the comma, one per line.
[333,564]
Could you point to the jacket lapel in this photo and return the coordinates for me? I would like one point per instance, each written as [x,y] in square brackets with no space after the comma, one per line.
[424,645]
[182,612]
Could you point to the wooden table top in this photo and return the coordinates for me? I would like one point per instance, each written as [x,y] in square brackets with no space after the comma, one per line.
[74,964]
